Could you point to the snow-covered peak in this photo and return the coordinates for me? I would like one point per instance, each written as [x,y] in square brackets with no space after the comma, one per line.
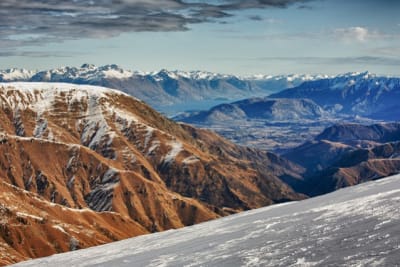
[43,87]
[87,72]
[15,74]
[193,75]
[356,75]
[289,77]
[114,71]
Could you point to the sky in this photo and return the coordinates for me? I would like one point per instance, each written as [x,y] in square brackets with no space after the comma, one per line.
[225,36]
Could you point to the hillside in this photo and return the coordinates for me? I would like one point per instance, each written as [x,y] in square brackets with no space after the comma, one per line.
[345,155]
[356,226]
[354,167]
[99,150]
[351,133]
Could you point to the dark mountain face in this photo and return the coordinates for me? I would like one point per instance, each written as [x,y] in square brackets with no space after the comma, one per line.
[347,154]
[317,155]
[363,94]
[350,133]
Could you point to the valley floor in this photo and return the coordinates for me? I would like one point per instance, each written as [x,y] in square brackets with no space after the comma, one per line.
[355,226]
[275,136]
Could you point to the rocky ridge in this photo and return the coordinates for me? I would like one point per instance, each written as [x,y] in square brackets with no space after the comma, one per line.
[93,150]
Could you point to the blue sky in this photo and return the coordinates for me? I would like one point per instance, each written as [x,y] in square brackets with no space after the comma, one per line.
[227,36]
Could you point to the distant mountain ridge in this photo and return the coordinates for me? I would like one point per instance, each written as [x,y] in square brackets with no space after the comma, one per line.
[257,108]
[358,94]
[165,88]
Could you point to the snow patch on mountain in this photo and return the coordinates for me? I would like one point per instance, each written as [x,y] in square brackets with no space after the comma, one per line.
[176,148]
[190,160]
[154,146]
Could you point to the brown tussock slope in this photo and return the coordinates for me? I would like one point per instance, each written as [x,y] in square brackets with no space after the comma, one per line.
[86,147]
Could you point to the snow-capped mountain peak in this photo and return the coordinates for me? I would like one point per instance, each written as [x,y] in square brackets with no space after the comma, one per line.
[193,75]
[15,74]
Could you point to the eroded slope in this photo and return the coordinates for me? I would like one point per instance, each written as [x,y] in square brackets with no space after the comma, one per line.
[86,147]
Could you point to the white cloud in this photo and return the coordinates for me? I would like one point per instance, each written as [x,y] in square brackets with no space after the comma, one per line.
[359,34]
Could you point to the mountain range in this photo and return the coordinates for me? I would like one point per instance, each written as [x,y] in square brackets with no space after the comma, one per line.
[303,110]
[361,94]
[166,91]
[97,165]
[356,226]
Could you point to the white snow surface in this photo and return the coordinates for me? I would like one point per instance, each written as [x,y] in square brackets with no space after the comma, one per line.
[15,74]
[355,226]
[59,87]
[176,148]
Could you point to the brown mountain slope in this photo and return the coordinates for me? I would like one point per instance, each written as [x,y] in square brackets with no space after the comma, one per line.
[361,135]
[347,154]
[92,148]
[31,227]
[317,155]
[353,167]
[335,178]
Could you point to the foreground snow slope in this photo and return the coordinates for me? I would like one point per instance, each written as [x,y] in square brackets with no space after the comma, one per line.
[357,226]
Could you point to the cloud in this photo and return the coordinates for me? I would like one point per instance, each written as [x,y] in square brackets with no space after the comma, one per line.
[361,60]
[264,19]
[238,4]
[256,18]
[392,51]
[308,7]
[57,20]
[359,34]
[35,54]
